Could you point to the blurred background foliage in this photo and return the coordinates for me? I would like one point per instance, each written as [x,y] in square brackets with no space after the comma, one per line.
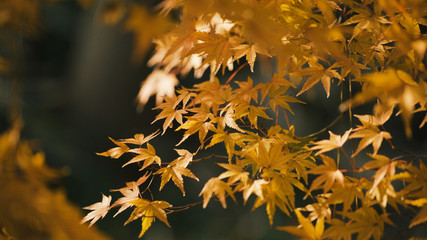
[68,82]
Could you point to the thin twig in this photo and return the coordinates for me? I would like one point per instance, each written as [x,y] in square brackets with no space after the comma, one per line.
[325,128]
[349,159]
[235,72]
[286,118]
[185,207]
[209,157]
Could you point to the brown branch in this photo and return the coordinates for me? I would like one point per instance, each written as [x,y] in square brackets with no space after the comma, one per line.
[349,159]
[185,207]
[325,128]
[235,72]
[209,157]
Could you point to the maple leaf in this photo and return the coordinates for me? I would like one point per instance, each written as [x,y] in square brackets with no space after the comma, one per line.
[348,66]
[335,141]
[115,152]
[217,187]
[144,35]
[338,230]
[99,210]
[148,211]
[392,87]
[366,20]
[246,91]
[185,157]
[329,175]
[300,163]
[367,223]
[254,113]
[217,49]
[308,231]
[139,139]
[220,25]
[250,50]
[278,192]
[130,193]
[234,173]
[421,217]
[228,119]
[415,179]
[345,195]
[327,8]
[271,156]
[169,112]
[168,5]
[230,140]
[318,73]
[254,187]
[385,167]
[148,155]
[194,126]
[319,209]
[159,83]
[278,98]
[176,169]
[369,136]
[277,81]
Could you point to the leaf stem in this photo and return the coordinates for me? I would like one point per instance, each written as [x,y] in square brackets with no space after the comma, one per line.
[286,118]
[235,72]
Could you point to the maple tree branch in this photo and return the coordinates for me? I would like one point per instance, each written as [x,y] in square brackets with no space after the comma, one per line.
[396,148]
[349,159]
[148,187]
[409,155]
[185,207]
[209,157]
[325,128]
[235,72]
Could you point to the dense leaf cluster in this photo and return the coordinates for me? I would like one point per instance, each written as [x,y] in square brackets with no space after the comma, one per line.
[375,44]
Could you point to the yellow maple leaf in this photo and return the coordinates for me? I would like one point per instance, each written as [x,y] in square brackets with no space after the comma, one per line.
[234,173]
[159,83]
[420,217]
[254,187]
[329,175]
[176,169]
[369,136]
[250,51]
[115,152]
[306,230]
[139,139]
[385,167]
[217,187]
[335,141]
[148,211]
[148,155]
[366,223]
[99,210]
[130,193]
[143,36]
[318,73]
[169,112]
[175,173]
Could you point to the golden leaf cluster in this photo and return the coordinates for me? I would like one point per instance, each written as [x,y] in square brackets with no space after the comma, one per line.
[376,45]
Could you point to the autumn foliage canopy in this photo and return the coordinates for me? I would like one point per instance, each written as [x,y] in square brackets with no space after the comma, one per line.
[372,52]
